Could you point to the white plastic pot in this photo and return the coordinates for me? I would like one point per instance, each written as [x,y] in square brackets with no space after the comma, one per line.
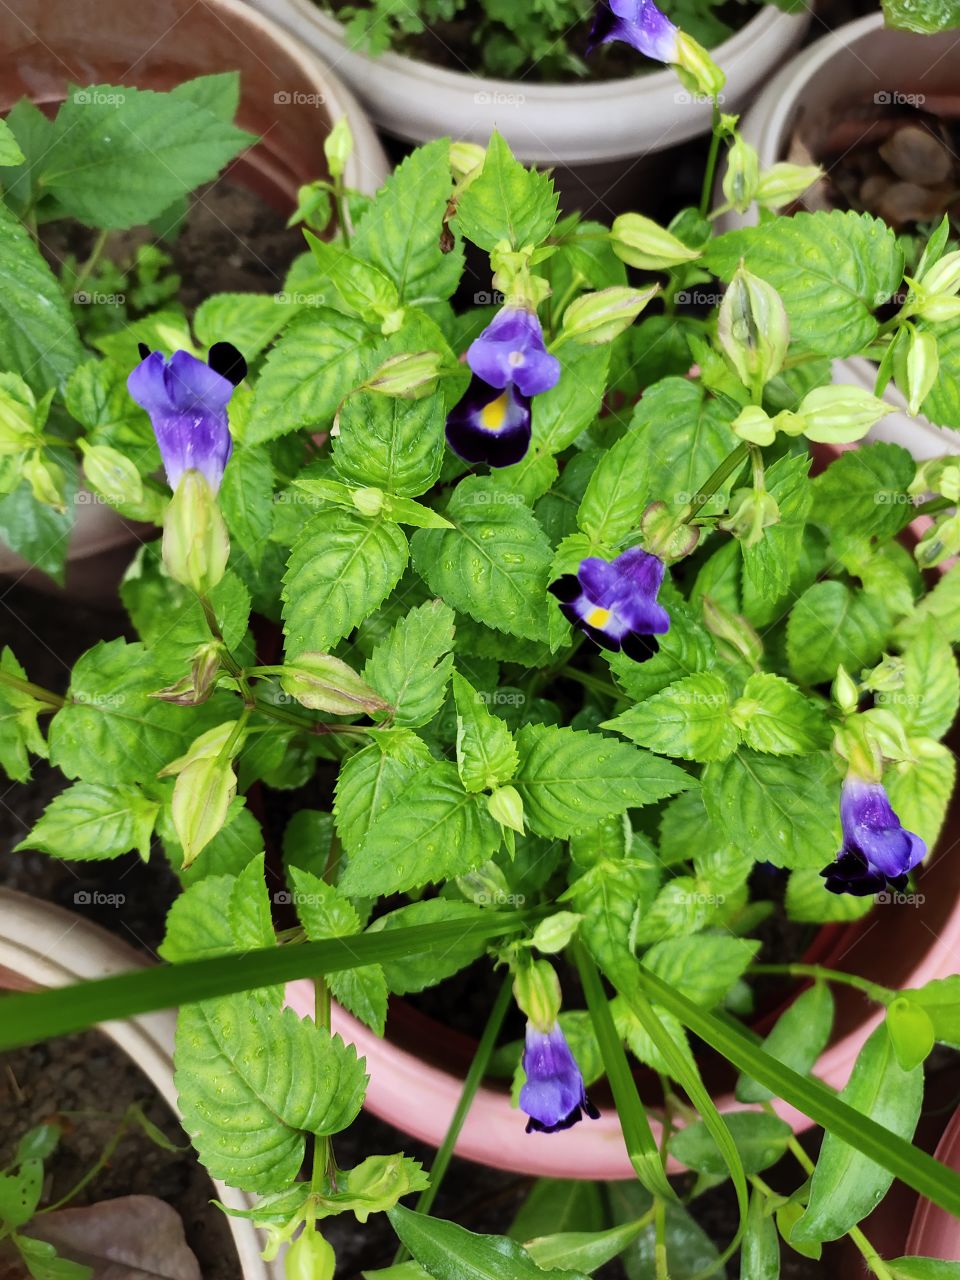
[550,124]
[42,945]
[860,59]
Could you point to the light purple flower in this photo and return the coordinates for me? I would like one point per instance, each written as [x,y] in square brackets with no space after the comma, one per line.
[877,850]
[638,23]
[187,403]
[615,602]
[490,425]
[511,351]
[553,1095]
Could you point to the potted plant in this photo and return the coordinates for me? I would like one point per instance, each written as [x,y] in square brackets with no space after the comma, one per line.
[620,698]
[893,89]
[93,271]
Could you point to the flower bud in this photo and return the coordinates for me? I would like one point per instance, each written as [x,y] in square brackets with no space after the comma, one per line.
[845,693]
[754,425]
[841,414]
[195,688]
[943,278]
[752,328]
[737,640]
[938,310]
[369,501]
[202,796]
[663,536]
[47,480]
[338,147]
[641,242]
[696,68]
[938,475]
[196,545]
[465,157]
[554,933]
[314,206]
[600,317]
[486,886]
[505,804]
[310,1257]
[18,425]
[916,363]
[409,377]
[939,543]
[742,175]
[751,511]
[536,989]
[783,183]
[325,683]
[887,676]
[205,747]
[111,474]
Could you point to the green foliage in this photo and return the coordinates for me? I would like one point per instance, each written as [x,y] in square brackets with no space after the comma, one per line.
[507,202]
[90,821]
[411,666]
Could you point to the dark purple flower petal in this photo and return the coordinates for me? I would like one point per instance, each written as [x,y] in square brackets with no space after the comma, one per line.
[638,23]
[490,424]
[187,403]
[553,1095]
[511,350]
[877,850]
[616,605]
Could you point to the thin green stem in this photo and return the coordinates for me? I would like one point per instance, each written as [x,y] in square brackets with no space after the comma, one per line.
[660,1264]
[882,995]
[340,208]
[589,681]
[322,1149]
[478,1068]
[728,467]
[91,260]
[94,1169]
[306,726]
[35,690]
[709,172]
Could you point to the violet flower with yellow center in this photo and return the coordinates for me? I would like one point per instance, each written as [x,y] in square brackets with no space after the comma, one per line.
[615,602]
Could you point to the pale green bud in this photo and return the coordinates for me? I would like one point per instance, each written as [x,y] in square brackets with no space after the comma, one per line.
[338,147]
[752,328]
[465,158]
[916,363]
[696,68]
[940,542]
[410,377]
[754,425]
[485,886]
[783,183]
[845,693]
[742,175]
[664,535]
[536,989]
[751,512]
[852,743]
[938,310]
[938,475]
[195,688]
[196,545]
[369,501]
[207,746]
[790,423]
[47,480]
[18,407]
[737,640]
[841,414]
[111,474]
[314,206]
[599,317]
[943,278]
[202,796]
[325,683]
[554,933]
[310,1257]
[505,805]
[641,242]
[887,676]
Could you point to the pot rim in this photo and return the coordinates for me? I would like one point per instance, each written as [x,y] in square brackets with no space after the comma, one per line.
[934,1232]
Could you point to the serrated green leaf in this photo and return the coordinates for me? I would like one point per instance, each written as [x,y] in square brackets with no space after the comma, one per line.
[426,969]
[507,202]
[832,270]
[246,501]
[373,779]
[686,648]
[392,443]
[833,624]
[434,831]
[340,569]
[799,1037]
[493,564]
[569,779]
[609,897]
[775,717]
[486,752]
[251,321]
[776,809]
[410,667]
[10,153]
[690,719]
[864,491]
[770,563]
[253,1081]
[19,727]
[927,17]
[926,704]
[703,967]
[219,915]
[617,492]
[89,821]
[809,902]
[760,1139]
[920,789]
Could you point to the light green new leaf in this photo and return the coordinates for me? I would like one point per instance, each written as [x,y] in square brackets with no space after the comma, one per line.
[690,719]
[19,727]
[246,500]
[770,562]
[251,321]
[410,667]
[703,967]
[10,153]
[586,1250]
[920,789]
[775,717]
[370,781]
[617,492]
[394,444]
[90,820]
[927,702]
[507,202]
[486,752]
[808,901]
[798,1038]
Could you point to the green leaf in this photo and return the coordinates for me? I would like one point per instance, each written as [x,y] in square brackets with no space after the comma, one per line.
[253,1081]
[219,915]
[558,1204]
[775,717]
[10,153]
[690,719]
[370,781]
[846,1185]
[776,809]
[507,202]
[760,1139]
[809,902]
[38,338]
[434,831]
[832,270]
[617,492]
[19,729]
[375,1185]
[119,156]
[246,501]
[864,491]
[920,789]
[923,1269]
[770,563]
[609,897]
[686,648]
[911,1031]
[927,17]
[703,967]
[799,1037]
[940,1000]
[689,1250]
[585,1250]
[927,702]
[89,821]
[417,971]
[449,1252]
[486,752]
[400,231]
[320,358]
[234,846]
[410,667]
[218,92]
[760,1246]
[326,913]
[939,610]
[395,444]
[942,404]
[832,624]
[569,778]
[340,569]
[493,564]
[560,415]
[251,321]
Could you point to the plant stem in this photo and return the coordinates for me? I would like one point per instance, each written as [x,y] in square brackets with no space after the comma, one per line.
[306,726]
[476,1073]
[596,683]
[731,464]
[661,1266]
[711,167]
[882,995]
[92,1172]
[35,690]
[322,1150]
[91,261]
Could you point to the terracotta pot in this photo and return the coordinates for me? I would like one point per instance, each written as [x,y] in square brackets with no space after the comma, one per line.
[850,64]
[584,132]
[287,97]
[935,1232]
[42,945]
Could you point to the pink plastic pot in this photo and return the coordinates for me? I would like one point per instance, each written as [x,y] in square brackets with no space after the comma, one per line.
[934,1232]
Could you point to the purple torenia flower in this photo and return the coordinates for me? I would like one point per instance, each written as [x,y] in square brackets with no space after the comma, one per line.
[877,850]
[615,602]
[553,1096]
[187,403]
[511,351]
[638,23]
[490,425]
